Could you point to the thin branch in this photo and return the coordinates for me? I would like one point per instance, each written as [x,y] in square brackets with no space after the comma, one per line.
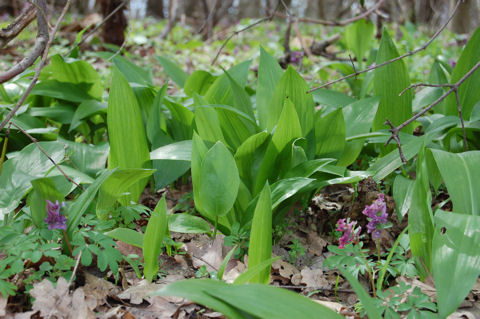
[353,65]
[35,141]
[98,26]
[21,22]
[269,18]
[416,85]
[337,23]
[460,115]
[302,40]
[41,10]
[38,70]
[373,67]
[453,88]
[38,48]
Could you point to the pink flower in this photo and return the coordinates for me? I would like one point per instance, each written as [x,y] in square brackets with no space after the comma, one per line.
[377,215]
[350,234]
[54,219]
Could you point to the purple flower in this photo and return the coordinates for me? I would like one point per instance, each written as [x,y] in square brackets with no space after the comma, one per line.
[377,215]
[350,234]
[296,57]
[452,62]
[54,219]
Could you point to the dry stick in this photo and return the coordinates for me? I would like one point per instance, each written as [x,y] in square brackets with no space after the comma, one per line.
[39,47]
[39,69]
[337,23]
[302,41]
[373,67]
[269,18]
[353,65]
[21,22]
[41,10]
[35,141]
[453,88]
[209,18]
[98,26]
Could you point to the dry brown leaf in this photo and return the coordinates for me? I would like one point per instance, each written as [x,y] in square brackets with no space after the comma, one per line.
[335,306]
[137,293]
[57,301]
[315,243]
[3,306]
[233,273]
[313,278]
[284,269]
[98,288]
[204,252]
[471,313]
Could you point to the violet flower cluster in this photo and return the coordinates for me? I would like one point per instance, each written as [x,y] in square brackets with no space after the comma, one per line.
[350,233]
[54,219]
[377,215]
[296,57]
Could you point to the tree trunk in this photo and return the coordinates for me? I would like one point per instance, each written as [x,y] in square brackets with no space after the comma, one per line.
[467,18]
[155,8]
[114,29]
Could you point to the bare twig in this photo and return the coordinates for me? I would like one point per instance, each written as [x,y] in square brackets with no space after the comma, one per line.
[208,18]
[38,48]
[453,88]
[353,65]
[98,26]
[35,141]
[304,45]
[21,22]
[254,24]
[77,263]
[373,67]
[40,66]
[337,23]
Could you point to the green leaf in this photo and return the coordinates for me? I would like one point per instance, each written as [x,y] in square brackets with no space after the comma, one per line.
[286,188]
[331,98]
[218,181]
[89,159]
[223,265]
[199,149]
[180,125]
[128,143]
[456,258]
[269,72]
[186,223]
[17,172]
[241,98]
[179,151]
[152,241]
[85,109]
[83,201]
[198,82]
[174,72]
[420,217]
[62,113]
[132,72]
[128,236]
[389,81]
[251,272]
[330,134]
[208,124]
[358,37]
[469,91]
[43,189]
[260,247]
[115,188]
[70,91]
[462,178]
[402,194]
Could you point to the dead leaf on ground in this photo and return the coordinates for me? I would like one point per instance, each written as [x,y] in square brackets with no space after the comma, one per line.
[471,313]
[136,294]
[335,306]
[315,243]
[314,278]
[284,269]
[57,301]
[159,308]
[98,288]
[233,273]
[204,252]
[3,306]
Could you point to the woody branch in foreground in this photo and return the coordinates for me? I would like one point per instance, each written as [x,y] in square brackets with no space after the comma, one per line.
[42,62]
[40,42]
[410,53]
[453,88]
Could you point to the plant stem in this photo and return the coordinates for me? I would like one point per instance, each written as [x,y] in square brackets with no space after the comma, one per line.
[370,273]
[68,243]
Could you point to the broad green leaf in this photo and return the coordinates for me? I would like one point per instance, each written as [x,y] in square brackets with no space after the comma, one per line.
[251,272]
[249,155]
[241,98]
[438,75]
[89,159]
[220,92]
[389,81]
[469,91]
[402,194]
[81,203]
[292,87]
[330,134]
[115,188]
[179,151]
[265,301]
[288,187]
[235,128]
[43,189]
[359,37]
[186,223]
[156,121]
[358,120]
[223,265]
[367,302]
[420,217]
[85,109]
[196,291]
[70,91]
[17,172]
[75,72]
[127,235]
[62,184]
[218,181]
[198,82]
[260,247]
[128,143]
[462,177]
[208,125]
[132,72]
[59,112]
[157,229]
[287,130]
[306,169]
[174,72]
[331,98]
[199,149]
[180,125]
[456,258]
[269,72]
[145,97]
